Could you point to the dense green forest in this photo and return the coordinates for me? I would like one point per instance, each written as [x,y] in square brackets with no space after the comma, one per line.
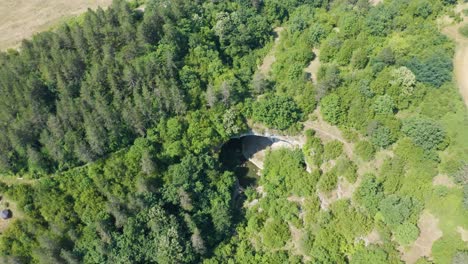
[114,121]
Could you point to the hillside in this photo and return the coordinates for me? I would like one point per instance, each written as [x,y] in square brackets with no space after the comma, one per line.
[298,131]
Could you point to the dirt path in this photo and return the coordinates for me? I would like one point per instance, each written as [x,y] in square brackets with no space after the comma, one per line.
[460,61]
[20,19]
[429,233]
[270,58]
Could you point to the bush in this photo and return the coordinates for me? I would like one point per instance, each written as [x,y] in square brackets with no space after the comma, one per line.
[396,210]
[424,133]
[384,105]
[275,234]
[277,112]
[364,150]
[464,30]
[434,70]
[381,136]
[331,109]
[332,150]
[369,194]
[347,169]
[328,181]
[406,233]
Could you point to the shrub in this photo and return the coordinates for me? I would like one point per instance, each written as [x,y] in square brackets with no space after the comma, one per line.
[464,30]
[277,112]
[364,150]
[381,136]
[424,133]
[275,234]
[434,70]
[384,105]
[369,194]
[397,210]
[328,181]
[406,233]
[347,169]
[332,150]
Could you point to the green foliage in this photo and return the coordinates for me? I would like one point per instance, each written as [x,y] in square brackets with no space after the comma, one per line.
[285,174]
[384,105]
[347,169]
[372,255]
[331,109]
[276,112]
[332,150]
[381,135]
[425,133]
[364,150]
[464,30]
[369,194]
[328,181]
[275,233]
[145,100]
[406,233]
[313,148]
[434,70]
[396,210]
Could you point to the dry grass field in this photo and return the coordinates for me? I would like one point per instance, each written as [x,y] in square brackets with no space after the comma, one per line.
[20,19]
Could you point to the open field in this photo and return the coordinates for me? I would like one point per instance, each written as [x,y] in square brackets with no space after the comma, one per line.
[20,19]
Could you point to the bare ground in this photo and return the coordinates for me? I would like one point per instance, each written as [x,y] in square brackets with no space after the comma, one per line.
[429,233]
[371,238]
[463,233]
[443,180]
[460,62]
[20,19]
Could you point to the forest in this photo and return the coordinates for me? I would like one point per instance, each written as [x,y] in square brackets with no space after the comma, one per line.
[112,125]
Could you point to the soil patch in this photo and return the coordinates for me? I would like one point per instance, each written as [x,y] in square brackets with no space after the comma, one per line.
[463,233]
[443,180]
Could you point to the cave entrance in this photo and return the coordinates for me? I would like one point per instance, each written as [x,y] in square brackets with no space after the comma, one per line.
[240,155]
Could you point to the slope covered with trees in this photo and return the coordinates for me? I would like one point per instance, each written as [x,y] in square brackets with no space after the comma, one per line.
[118,117]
